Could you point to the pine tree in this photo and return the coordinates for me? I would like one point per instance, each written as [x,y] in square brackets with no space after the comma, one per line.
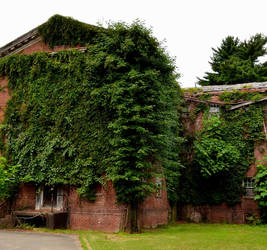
[236,61]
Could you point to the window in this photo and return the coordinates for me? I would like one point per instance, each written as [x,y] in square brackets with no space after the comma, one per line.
[214,110]
[49,198]
[249,184]
[159,187]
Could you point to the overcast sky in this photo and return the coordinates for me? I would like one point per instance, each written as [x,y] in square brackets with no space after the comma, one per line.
[190,28]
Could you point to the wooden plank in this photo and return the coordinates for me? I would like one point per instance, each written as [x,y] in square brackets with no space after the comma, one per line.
[246,104]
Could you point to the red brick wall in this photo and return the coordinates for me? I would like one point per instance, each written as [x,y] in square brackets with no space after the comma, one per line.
[154,210]
[102,214]
[222,213]
[106,215]
[25,198]
[42,47]
[4,97]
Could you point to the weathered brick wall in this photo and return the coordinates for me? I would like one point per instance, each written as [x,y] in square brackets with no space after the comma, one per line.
[102,214]
[25,199]
[154,210]
[223,213]
[4,97]
[40,46]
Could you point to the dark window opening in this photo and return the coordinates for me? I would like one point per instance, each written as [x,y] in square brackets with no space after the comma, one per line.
[50,196]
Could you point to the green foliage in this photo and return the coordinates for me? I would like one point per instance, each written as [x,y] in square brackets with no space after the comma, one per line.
[85,118]
[223,152]
[192,90]
[200,107]
[261,188]
[235,96]
[213,154]
[60,30]
[8,178]
[204,96]
[236,61]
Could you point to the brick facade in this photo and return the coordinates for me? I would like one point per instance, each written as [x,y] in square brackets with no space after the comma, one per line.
[104,213]
[101,214]
[223,213]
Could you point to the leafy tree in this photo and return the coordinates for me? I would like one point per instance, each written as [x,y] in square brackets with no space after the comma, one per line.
[8,178]
[236,61]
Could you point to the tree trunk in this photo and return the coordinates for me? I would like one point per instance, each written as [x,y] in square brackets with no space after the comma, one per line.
[134,226]
[174,213]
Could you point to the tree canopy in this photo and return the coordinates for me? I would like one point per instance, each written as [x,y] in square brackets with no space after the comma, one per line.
[236,61]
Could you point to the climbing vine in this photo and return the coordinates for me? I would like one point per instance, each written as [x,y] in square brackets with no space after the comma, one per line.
[60,30]
[261,188]
[111,113]
[235,96]
[222,153]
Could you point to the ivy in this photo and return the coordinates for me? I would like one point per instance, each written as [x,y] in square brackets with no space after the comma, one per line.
[261,188]
[222,153]
[235,96]
[84,118]
[8,179]
[60,30]
[205,96]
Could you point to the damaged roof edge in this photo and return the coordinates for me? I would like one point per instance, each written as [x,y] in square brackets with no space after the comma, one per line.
[233,106]
[250,85]
[19,42]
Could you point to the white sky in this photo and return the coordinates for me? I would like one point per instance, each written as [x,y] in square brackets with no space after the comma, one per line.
[189,27]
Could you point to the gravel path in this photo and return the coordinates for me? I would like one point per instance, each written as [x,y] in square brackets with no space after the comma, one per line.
[12,240]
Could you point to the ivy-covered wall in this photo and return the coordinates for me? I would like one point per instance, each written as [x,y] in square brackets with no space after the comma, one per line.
[111,113]
[217,157]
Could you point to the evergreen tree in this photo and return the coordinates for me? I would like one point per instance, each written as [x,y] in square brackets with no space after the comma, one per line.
[236,61]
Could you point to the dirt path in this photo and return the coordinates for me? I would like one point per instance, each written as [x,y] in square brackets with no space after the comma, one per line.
[12,240]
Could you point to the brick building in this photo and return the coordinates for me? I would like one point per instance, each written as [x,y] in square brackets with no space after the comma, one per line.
[223,213]
[62,206]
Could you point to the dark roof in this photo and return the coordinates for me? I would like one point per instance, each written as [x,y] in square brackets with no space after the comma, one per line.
[21,41]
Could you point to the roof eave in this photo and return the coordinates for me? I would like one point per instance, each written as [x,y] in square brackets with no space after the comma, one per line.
[19,43]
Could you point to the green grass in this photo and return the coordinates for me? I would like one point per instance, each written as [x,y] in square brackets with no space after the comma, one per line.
[182,236]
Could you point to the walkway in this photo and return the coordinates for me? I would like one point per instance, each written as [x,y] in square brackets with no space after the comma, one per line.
[12,240]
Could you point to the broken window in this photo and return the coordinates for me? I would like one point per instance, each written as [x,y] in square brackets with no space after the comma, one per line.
[48,197]
[249,185]
[214,110]
[159,187]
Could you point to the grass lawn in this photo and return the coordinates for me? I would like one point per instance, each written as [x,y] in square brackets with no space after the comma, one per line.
[180,236]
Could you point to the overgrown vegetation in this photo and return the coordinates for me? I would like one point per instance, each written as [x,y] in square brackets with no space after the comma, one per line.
[261,188]
[84,118]
[236,61]
[222,153]
[60,30]
[9,179]
[205,96]
[236,96]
